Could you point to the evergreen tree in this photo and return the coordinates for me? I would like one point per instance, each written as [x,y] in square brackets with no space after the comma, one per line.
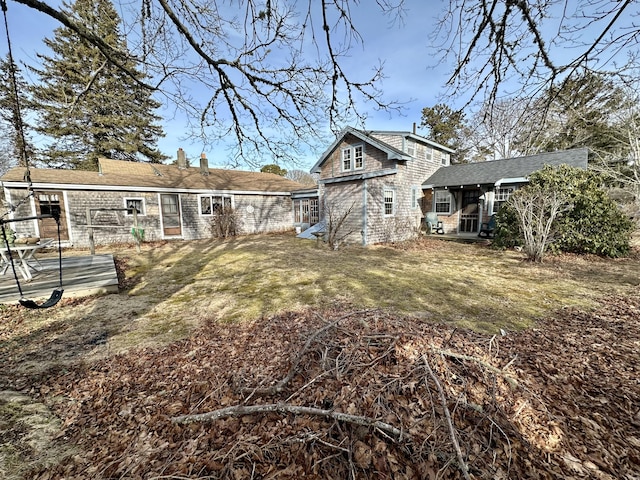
[88,106]
[16,146]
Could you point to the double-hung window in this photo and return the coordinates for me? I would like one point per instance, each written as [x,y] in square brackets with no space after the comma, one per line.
[415,197]
[500,196]
[214,204]
[389,202]
[442,201]
[134,203]
[353,158]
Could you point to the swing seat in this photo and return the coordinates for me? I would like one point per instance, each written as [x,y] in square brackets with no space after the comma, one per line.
[55,297]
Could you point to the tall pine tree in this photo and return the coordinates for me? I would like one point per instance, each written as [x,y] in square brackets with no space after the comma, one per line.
[16,147]
[88,106]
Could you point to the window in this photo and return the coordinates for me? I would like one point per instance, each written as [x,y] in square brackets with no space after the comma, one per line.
[444,158]
[500,196]
[415,197]
[359,157]
[389,197]
[137,203]
[353,158]
[411,147]
[442,200]
[346,159]
[428,153]
[212,204]
[306,211]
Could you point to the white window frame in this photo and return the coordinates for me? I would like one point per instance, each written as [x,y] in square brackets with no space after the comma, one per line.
[501,195]
[411,147]
[442,197]
[211,197]
[428,153]
[416,192]
[143,209]
[445,158]
[354,155]
[392,196]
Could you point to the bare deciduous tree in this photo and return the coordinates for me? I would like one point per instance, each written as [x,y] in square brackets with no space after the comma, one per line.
[247,69]
[496,44]
[537,209]
[337,225]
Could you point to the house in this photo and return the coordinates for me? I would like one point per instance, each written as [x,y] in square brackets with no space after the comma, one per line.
[384,182]
[171,201]
[466,195]
[374,179]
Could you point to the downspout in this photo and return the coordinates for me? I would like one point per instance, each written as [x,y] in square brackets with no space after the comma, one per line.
[364,212]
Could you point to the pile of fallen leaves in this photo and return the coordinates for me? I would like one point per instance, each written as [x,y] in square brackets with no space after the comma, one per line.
[362,394]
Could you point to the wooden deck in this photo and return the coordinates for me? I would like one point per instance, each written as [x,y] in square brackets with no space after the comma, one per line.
[81,276]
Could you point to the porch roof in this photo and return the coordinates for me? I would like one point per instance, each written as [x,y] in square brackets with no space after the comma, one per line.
[508,170]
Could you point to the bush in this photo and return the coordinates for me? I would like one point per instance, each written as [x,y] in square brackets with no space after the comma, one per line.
[224,223]
[594,223]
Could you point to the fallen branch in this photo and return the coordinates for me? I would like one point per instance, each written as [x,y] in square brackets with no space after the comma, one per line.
[242,410]
[510,380]
[447,414]
[280,386]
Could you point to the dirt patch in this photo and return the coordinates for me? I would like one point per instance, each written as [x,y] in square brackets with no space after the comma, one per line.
[555,401]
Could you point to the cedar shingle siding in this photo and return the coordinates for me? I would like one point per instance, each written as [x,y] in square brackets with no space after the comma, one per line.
[261,200]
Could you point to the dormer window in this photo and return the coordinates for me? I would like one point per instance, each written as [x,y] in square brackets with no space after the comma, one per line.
[353,158]
[411,147]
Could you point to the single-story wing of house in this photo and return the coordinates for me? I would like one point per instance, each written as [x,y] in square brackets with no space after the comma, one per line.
[466,195]
[170,201]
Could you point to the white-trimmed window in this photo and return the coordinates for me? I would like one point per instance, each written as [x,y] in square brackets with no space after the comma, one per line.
[445,158]
[500,196]
[352,158]
[212,204]
[416,194]
[442,201]
[137,203]
[428,153]
[389,202]
[411,147]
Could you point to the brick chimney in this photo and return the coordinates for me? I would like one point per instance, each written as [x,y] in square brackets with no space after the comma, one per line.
[182,159]
[204,164]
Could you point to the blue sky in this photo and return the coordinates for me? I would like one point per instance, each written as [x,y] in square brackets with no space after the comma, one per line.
[402,48]
[410,64]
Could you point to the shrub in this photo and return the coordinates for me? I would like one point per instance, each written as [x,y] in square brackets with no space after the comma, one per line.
[224,223]
[594,223]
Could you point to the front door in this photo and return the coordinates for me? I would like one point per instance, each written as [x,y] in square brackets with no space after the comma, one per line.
[51,203]
[469,213]
[170,208]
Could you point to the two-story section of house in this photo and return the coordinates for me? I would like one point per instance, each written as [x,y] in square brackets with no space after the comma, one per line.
[371,183]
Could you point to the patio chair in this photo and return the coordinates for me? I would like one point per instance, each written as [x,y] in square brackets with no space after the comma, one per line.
[487,229]
[432,224]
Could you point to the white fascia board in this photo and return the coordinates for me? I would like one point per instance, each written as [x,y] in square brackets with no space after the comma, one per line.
[120,188]
[511,180]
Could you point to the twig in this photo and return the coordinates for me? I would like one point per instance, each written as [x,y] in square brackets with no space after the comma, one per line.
[242,410]
[447,353]
[452,431]
[280,386]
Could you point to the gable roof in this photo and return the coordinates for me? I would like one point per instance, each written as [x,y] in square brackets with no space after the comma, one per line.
[124,175]
[508,170]
[392,152]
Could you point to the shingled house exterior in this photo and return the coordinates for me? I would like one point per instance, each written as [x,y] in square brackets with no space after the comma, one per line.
[172,201]
[389,180]
[466,195]
[377,176]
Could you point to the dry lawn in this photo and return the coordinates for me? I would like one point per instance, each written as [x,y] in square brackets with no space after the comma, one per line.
[171,290]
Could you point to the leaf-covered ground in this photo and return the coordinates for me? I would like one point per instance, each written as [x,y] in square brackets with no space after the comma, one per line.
[560,400]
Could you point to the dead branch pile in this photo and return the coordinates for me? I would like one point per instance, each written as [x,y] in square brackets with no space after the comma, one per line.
[363,394]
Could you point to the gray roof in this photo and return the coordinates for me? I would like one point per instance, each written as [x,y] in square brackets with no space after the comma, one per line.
[508,170]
